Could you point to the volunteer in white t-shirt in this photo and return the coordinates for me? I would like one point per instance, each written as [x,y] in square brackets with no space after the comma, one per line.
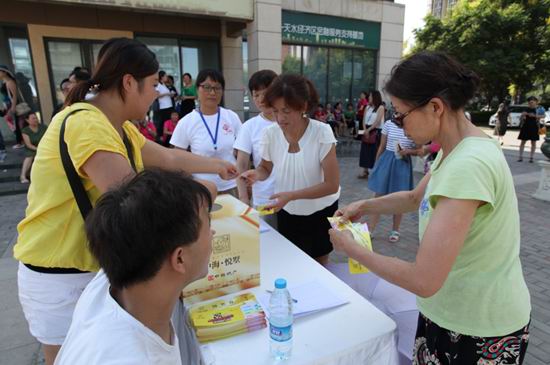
[249,140]
[124,314]
[210,130]
[164,99]
[301,153]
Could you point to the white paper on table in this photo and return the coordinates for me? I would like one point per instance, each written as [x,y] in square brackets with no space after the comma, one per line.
[264,227]
[312,297]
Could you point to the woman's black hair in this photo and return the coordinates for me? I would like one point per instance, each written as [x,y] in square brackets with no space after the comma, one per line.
[298,92]
[161,74]
[117,57]
[212,74]
[376,98]
[424,75]
[187,74]
[261,80]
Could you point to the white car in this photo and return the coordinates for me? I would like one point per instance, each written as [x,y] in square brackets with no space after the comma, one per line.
[514,118]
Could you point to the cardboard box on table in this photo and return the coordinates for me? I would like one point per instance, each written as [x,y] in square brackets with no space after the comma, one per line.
[235,261]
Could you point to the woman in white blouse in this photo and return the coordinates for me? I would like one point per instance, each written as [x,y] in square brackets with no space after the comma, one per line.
[301,152]
[210,130]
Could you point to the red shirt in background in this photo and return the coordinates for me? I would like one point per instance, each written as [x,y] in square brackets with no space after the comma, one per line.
[168,126]
[145,130]
[320,116]
[361,106]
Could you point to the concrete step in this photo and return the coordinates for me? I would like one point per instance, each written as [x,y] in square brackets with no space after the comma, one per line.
[13,188]
[10,174]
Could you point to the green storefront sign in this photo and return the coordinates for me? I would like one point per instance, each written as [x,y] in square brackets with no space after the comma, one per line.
[305,28]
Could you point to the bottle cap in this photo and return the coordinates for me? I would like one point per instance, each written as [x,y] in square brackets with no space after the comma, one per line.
[280,283]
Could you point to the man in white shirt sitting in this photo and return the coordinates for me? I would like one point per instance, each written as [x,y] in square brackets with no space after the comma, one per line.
[151,237]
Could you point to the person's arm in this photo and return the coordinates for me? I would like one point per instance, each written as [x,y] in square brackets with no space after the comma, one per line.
[329,186]
[382,147]
[12,94]
[396,203]
[27,141]
[379,118]
[260,173]
[155,155]
[243,164]
[107,169]
[436,254]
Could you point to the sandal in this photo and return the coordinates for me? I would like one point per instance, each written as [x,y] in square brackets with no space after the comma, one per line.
[394,237]
[530,160]
[24,181]
[363,176]
[520,160]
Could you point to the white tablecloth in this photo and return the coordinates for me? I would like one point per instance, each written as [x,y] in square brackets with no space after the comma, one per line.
[355,333]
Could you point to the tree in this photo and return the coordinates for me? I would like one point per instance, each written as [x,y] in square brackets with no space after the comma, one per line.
[505,42]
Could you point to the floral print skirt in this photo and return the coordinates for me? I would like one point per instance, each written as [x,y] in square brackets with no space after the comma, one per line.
[435,345]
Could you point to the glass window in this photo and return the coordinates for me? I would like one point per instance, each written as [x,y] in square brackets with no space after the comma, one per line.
[95,53]
[339,75]
[315,68]
[168,55]
[364,62]
[190,58]
[291,59]
[64,56]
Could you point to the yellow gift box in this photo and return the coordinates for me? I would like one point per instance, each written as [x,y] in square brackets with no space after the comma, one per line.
[235,261]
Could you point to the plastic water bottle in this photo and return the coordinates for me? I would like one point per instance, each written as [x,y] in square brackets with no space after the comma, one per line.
[280,321]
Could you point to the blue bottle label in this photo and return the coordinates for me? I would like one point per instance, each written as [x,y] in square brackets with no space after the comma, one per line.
[280,334]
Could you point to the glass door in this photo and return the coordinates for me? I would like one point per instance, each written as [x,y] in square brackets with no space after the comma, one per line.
[63,57]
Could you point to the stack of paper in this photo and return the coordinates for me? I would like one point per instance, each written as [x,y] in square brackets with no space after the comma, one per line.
[309,298]
[360,232]
[227,317]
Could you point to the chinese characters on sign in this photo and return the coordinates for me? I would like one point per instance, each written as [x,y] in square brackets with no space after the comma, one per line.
[323,31]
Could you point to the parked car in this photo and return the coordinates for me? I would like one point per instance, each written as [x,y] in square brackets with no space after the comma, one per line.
[514,118]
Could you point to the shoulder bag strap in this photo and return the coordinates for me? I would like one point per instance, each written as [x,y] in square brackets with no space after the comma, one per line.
[80,195]
[129,150]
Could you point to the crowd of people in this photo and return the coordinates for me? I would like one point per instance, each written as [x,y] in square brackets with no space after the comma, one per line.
[107,281]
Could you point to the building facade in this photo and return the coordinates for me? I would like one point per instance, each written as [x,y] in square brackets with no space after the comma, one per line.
[440,8]
[344,47]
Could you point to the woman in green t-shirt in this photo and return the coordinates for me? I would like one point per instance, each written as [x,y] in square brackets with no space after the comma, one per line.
[32,134]
[473,301]
[188,95]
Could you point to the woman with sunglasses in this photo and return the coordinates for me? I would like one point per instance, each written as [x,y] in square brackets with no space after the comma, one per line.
[473,301]
[210,130]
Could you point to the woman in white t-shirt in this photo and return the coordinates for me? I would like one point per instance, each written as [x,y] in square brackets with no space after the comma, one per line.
[249,143]
[165,104]
[210,130]
[301,153]
[372,122]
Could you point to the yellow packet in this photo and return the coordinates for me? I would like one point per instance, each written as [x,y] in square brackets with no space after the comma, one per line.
[263,210]
[360,232]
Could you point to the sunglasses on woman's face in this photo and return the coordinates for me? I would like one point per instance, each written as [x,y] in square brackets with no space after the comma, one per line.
[398,118]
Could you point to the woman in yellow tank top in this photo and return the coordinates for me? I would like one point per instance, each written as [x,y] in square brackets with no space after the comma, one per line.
[104,149]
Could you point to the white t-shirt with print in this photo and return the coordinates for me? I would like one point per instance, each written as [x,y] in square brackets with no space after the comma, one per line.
[191,132]
[102,332]
[165,102]
[300,170]
[249,141]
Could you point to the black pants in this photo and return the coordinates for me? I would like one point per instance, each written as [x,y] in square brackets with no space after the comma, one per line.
[450,348]
[162,116]
[308,232]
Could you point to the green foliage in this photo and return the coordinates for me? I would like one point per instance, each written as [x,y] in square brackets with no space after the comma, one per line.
[506,42]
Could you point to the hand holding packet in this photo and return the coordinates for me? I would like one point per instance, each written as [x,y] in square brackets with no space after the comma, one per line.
[360,232]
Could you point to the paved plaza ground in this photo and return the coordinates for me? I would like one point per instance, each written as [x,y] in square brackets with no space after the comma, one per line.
[17,347]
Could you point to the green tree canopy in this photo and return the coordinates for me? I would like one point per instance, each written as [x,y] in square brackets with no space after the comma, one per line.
[504,41]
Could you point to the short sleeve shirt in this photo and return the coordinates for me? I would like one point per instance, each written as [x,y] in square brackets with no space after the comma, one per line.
[485,293]
[191,132]
[396,136]
[296,171]
[249,141]
[165,102]
[52,232]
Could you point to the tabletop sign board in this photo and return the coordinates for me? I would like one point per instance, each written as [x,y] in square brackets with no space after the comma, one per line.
[235,261]
[305,28]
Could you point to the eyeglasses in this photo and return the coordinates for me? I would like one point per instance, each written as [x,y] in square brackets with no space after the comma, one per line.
[398,118]
[210,88]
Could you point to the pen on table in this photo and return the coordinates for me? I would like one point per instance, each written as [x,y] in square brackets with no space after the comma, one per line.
[271,291]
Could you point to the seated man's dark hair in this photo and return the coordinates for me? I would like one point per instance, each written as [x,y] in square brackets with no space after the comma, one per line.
[136,226]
